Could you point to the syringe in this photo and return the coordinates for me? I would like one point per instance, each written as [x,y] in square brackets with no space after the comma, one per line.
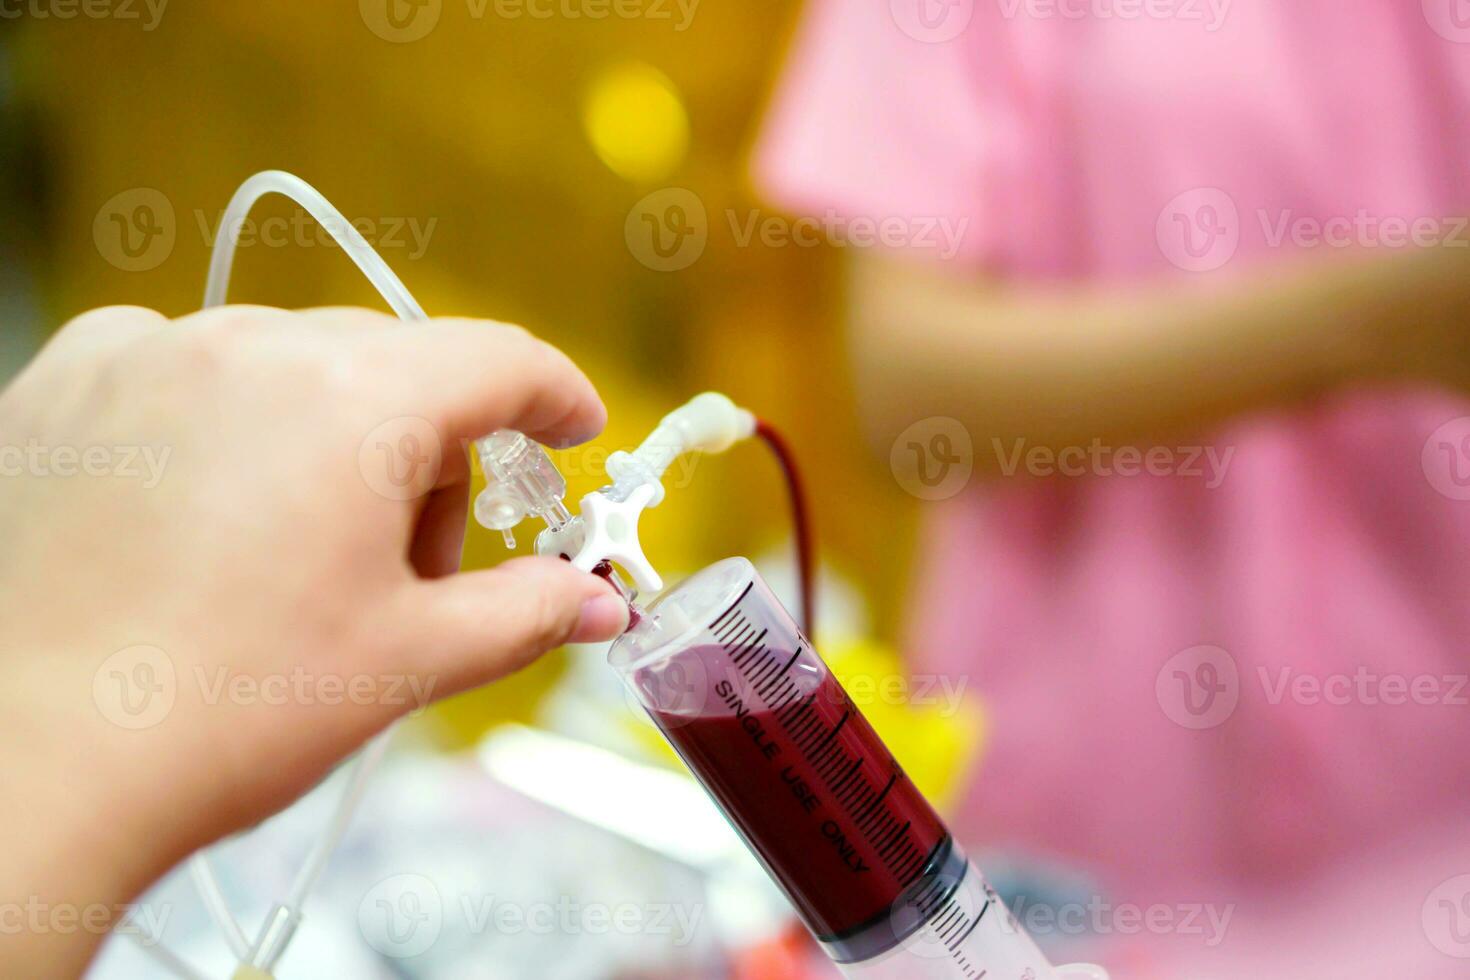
[738,690]
[755,713]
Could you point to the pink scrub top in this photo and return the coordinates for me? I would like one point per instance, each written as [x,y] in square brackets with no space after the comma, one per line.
[1247,681]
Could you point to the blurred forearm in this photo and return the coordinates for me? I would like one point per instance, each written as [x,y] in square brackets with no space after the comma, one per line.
[1062,366]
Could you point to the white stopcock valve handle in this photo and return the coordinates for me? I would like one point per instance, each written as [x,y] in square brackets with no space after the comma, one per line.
[608,527]
[610,533]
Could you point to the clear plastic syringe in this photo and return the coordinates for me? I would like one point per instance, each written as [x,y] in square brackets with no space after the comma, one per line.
[872,870]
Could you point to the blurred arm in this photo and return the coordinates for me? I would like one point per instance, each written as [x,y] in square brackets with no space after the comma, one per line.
[1062,366]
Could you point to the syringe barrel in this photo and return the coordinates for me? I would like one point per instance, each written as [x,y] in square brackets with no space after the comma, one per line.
[755,713]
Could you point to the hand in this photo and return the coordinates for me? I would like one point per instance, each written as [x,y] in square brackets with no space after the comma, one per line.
[229,554]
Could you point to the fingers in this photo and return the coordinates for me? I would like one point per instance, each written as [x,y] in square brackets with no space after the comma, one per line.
[471,377]
[475,376]
[469,629]
[467,377]
[439,538]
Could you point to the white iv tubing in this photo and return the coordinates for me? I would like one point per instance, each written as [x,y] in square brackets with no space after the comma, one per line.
[261,956]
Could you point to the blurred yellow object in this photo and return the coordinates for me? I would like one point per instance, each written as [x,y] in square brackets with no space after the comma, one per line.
[935,733]
[636,122]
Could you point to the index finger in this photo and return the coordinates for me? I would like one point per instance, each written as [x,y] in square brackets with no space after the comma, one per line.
[471,377]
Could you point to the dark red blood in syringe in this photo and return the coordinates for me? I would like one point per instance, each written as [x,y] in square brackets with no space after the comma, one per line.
[811,787]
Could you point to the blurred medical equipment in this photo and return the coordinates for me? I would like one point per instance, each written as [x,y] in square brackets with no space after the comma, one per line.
[732,682]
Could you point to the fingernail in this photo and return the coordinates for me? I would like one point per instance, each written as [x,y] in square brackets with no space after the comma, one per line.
[603,617]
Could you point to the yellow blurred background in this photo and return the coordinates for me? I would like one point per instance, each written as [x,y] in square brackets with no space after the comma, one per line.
[495,161]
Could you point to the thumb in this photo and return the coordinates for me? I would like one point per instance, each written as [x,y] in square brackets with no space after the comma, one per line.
[469,629]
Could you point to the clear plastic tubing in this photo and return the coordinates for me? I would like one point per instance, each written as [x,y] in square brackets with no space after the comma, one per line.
[871,869]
